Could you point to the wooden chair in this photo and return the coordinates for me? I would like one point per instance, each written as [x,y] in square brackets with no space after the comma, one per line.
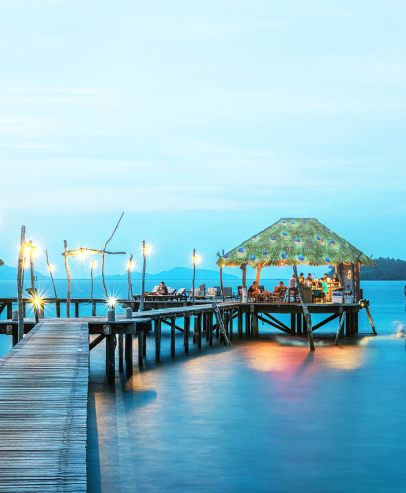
[292,294]
[277,296]
[228,293]
[181,294]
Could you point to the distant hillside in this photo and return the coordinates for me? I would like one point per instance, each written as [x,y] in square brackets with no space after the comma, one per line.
[10,273]
[175,273]
[388,269]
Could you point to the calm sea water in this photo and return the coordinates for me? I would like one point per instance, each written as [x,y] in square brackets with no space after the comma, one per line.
[256,416]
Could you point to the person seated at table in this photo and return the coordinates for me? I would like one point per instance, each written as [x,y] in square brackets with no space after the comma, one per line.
[254,289]
[324,285]
[325,278]
[281,288]
[301,278]
[162,289]
[336,278]
[309,277]
[292,281]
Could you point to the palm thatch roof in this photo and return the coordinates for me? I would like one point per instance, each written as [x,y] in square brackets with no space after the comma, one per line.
[295,241]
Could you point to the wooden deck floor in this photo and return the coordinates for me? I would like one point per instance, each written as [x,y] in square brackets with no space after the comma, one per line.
[43,410]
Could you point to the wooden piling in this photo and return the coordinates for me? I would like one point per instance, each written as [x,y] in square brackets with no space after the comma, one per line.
[348,325]
[9,311]
[293,324]
[210,328]
[128,354]
[186,334]
[93,308]
[247,324]
[356,322]
[199,332]
[231,325]
[206,325]
[157,329]
[58,309]
[120,352]
[14,334]
[239,327]
[110,350]
[77,309]
[140,347]
[173,320]
[254,316]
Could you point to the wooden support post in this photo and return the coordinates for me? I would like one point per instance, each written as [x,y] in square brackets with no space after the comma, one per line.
[199,332]
[231,325]
[20,286]
[77,309]
[254,316]
[58,309]
[293,324]
[340,326]
[239,328]
[225,320]
[247,323]
[140,346]
[93,308]
[144,345]
[14,334]
[128,355]
[299,323]
[9,310]
[157,328]
[210,328]
[120,352]
[110,351]
[304,324]
[348,325]
[111,360]
[24,308]
[186,332]
[173,320]
[356,322]
[206,325]
[217,330]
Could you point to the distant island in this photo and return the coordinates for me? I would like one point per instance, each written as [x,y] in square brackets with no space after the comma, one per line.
[388,269]
[10,273]
[175,273]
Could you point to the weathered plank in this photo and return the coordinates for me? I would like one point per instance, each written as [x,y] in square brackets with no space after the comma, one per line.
[43,410]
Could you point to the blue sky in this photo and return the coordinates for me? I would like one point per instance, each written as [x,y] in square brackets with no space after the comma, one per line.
[204,121]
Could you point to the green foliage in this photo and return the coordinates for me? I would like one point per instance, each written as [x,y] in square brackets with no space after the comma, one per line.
[388,269]
[1,262]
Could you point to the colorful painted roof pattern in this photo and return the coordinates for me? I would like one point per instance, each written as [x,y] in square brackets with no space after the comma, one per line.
[295,241]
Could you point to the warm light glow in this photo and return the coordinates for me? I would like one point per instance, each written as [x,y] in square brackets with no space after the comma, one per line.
[51,268]
[196,259]
[94,263]
[130,265]
[147,249]
[25,265]
[30,249]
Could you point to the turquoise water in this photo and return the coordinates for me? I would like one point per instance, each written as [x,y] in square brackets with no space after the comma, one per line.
[256,416]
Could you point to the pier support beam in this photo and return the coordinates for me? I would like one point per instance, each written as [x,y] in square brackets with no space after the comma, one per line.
[186,334]
[128,355]
[199,331]
[348,324]
[240,323]
[247,323]
[173,320]
[157,329]
[140,347]
[120,352]
[110,350]
[210,328]
[293,324]
[231,325]
[254,316]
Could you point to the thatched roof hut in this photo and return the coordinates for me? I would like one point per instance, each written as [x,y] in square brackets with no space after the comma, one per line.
[295,241]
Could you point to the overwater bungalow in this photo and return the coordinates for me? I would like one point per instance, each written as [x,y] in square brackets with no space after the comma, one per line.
[302,242]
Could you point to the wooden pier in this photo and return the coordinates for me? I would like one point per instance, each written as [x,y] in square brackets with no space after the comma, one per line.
[43,410]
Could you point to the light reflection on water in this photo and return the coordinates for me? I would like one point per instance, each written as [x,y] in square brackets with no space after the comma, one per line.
[257,416]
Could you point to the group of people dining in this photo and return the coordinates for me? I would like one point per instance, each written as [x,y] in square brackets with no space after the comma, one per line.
[320,286]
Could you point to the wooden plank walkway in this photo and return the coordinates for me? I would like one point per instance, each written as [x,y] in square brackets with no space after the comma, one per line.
[43,410]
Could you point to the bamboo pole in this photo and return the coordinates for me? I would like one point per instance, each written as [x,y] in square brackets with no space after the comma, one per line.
[34,293]
[306,313]
[221,284]
[194,275]
[130,286]
[104,252]
[20,286]
[370,320]
[91,278]
[244,275]
[144,264]
[68,276]
[50,271]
